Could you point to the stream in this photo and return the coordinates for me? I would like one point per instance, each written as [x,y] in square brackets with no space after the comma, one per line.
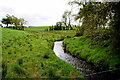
[86,69]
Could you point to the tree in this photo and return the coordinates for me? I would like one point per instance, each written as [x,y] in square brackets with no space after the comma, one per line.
[22,21]
[17,22]
[69,17]
[93,15]
[66,18]
[115,23]
[7,20]
[58,25]
[97,14]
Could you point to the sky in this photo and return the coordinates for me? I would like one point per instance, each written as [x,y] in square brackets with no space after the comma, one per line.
[36,12]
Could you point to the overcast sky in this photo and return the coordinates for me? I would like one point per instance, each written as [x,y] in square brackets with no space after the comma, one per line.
[36,12]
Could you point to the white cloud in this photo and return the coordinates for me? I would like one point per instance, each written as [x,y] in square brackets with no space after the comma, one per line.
[36,12]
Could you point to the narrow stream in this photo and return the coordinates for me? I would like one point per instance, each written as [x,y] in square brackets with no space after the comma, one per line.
[86,69]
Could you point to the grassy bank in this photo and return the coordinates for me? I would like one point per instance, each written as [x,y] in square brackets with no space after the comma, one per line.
[29,54]
[100,55]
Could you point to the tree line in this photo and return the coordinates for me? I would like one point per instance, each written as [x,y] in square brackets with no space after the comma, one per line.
[65,23]
[13,22]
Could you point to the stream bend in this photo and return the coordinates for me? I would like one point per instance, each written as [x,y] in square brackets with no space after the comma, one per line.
[86,69]
[79,64]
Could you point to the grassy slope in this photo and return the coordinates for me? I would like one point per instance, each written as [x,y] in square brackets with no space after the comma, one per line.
[8,34]
[82,47]
[30,55]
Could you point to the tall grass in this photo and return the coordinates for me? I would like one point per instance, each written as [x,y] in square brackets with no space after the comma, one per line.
[100,55]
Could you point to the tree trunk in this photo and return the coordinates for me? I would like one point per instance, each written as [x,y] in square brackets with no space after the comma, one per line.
[7,25]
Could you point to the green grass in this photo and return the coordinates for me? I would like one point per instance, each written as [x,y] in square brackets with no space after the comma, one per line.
[39,28]
[99,55]
[8,34]
[29,54]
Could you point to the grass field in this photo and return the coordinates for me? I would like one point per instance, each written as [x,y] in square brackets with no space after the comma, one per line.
[29,54]
[39,28]
[83,47]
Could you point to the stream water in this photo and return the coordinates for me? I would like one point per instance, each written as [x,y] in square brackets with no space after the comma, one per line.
[85,68]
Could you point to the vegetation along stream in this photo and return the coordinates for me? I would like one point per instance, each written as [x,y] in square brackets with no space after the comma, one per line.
[88,70]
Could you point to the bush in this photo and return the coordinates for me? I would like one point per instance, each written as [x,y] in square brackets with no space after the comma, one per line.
[79,31]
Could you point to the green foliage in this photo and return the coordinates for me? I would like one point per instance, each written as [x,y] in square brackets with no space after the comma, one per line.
[99,14]
[79,31]
[93,15]
[17,22]
[7,20]
[101,37]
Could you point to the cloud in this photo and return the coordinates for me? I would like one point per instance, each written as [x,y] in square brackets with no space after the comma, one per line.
[38,19]
[5,10]
[36,12]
